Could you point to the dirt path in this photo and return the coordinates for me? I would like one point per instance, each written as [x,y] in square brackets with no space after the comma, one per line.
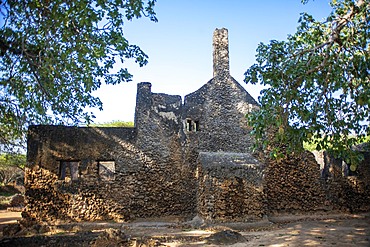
[330,230]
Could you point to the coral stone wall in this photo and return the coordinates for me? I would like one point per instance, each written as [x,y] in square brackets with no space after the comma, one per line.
[142,186]
[220,108]
[293,185]
[347,192]
[296,185]
[230,187]
[158,122]
[158,119]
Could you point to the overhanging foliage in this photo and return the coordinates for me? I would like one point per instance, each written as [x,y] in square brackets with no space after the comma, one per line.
[54,54]
[317,83]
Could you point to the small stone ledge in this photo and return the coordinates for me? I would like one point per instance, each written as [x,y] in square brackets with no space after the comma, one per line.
[227,165]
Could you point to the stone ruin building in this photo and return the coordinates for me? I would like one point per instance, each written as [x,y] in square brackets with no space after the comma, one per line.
[182,159]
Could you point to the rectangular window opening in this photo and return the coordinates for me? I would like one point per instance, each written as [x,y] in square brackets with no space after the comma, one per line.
[68,170]
[107,170]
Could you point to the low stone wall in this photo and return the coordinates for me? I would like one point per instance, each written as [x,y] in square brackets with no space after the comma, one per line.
[347,192]
[230,187]
[144,194]
[296,185]
[293,185]
[51,200]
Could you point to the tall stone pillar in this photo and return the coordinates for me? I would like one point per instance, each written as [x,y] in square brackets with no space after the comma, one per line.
[143,103]
[220,53]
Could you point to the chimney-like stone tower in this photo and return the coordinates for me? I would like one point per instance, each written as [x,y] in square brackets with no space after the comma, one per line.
[220,53]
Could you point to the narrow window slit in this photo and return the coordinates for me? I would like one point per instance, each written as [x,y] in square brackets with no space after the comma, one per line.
[191,126]
[196,126]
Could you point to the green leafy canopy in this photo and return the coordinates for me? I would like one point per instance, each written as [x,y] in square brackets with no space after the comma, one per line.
[54,54]
[317,82]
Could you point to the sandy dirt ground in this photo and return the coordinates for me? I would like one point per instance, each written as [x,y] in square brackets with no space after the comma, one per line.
[354,231]
[329,230]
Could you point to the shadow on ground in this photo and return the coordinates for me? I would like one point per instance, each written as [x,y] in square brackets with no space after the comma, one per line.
[324,230]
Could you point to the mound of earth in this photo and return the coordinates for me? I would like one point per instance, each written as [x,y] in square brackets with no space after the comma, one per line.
[225,237]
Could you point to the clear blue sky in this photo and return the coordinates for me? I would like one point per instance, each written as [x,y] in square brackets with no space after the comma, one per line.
[179,45]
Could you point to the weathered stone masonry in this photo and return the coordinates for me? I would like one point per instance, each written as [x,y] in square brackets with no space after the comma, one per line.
[180,160]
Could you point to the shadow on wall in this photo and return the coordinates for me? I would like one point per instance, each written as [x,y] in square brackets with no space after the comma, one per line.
[104,177]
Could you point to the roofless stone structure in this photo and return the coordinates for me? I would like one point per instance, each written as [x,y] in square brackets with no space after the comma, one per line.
[181,159]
